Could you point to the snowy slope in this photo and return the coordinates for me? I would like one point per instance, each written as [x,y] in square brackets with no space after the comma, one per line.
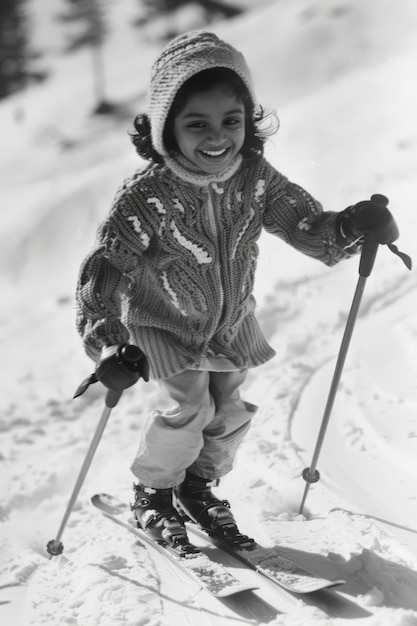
[342,76]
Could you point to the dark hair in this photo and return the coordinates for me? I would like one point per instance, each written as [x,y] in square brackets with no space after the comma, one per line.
[258,125]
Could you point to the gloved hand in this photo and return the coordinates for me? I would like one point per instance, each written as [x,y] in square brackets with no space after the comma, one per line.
[369,219]
[120,366]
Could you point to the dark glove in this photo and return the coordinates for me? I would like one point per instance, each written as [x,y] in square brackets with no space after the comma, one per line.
[369,219]
[118,367]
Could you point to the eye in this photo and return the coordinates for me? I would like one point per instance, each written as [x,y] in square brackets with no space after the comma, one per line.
[232,121]
[196,125]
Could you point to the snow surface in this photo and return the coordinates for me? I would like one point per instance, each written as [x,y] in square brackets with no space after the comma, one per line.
[342,77]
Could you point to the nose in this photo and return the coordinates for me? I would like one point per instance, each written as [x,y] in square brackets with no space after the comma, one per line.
[216,134]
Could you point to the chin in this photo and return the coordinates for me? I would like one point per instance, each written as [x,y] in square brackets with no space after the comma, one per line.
[215,167]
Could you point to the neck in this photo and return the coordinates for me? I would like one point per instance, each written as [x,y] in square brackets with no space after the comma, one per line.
[185,170]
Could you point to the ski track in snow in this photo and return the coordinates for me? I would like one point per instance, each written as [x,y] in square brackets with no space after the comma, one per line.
[360,519]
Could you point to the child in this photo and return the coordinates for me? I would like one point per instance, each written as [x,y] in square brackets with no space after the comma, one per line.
[173,272]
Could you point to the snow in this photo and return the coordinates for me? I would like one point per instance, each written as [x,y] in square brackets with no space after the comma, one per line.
[342,78]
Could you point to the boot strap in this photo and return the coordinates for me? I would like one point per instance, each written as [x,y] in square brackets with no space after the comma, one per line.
[215,515]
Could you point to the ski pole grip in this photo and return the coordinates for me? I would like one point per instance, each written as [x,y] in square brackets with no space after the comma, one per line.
[369,250]
[385,231]
[112,398]
[130,354]
[119,366]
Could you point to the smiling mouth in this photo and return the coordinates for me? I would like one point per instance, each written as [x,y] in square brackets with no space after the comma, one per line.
[214,154]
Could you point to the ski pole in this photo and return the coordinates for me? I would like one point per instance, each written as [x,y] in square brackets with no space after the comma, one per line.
[389,233]
[120,371]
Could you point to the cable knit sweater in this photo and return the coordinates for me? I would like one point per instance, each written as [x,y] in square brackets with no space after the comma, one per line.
[173,268]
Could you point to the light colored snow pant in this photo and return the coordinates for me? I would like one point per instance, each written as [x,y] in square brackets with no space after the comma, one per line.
[202,432]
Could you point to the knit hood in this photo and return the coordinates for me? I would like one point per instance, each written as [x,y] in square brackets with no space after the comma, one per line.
[185,56]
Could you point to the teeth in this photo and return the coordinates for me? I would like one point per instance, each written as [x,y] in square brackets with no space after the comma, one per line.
[214,153]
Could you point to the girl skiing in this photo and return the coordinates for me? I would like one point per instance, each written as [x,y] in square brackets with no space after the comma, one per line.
[173,270]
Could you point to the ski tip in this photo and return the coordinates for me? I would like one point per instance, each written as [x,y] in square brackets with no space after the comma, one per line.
[98,497]
[236,589]
[108,504]
[336,583]
[314,586]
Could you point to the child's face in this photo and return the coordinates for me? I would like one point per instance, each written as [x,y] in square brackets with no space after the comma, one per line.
[210,129]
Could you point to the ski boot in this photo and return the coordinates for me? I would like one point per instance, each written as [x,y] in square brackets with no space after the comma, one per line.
[157,516]
[197,503]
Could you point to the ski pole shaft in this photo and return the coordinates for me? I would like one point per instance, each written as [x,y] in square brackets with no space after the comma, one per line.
[55,546]
[310,474]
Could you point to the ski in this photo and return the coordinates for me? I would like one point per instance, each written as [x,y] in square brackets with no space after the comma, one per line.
[210,575]
[268,562]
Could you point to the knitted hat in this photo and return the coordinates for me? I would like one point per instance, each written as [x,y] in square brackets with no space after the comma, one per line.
[183,57]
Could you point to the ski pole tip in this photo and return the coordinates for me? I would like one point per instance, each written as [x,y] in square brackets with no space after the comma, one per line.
[53,548]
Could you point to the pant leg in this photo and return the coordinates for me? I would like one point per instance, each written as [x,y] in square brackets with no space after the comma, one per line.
[172,440]
[225,433]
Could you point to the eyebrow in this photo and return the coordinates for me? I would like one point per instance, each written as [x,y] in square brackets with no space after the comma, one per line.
[233,112]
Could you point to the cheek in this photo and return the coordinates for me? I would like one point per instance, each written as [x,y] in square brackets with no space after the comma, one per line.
[241,136]
[184,140]
[186,144]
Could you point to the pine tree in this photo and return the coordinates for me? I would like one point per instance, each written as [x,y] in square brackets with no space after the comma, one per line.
[16,56]
[211,6]
[90,15]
